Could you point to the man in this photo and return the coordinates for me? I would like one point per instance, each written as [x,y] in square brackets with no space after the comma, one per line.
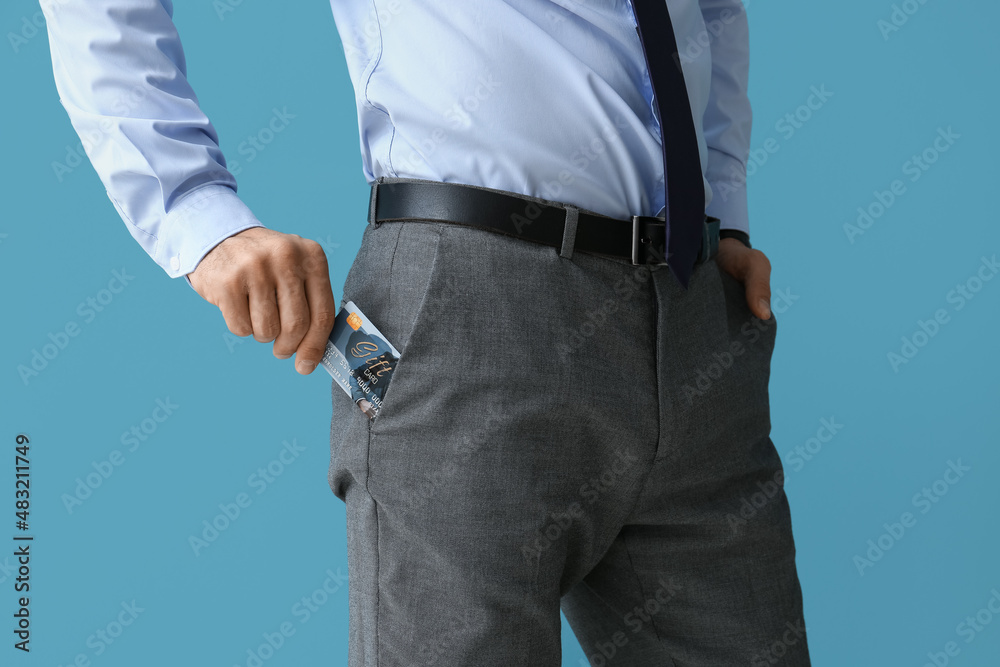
[579,412]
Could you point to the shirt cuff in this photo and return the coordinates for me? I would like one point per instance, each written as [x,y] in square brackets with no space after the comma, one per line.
[198,222]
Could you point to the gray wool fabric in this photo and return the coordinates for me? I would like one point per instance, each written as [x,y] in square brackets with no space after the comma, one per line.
[562,431]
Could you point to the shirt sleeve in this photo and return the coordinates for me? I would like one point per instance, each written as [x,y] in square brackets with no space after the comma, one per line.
[121,76]
[728,116]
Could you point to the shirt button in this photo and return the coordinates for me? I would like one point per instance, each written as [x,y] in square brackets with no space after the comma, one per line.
[175,262]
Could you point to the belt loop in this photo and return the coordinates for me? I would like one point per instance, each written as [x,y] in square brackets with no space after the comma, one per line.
[569,232]
[371,204]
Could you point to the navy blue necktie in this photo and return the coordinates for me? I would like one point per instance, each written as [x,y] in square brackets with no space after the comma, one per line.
[685,190]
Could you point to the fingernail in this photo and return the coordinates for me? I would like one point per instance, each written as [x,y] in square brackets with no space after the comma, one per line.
[283,356]
[306,367]
[766,307]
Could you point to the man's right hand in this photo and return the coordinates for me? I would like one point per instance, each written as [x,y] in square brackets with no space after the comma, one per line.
[275,286]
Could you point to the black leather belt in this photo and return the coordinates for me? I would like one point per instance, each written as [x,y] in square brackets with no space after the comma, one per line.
[640,240]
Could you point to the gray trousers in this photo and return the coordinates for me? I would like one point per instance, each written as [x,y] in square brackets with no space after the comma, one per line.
[561,431]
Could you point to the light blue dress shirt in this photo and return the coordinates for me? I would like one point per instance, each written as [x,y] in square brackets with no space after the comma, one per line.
[548,98]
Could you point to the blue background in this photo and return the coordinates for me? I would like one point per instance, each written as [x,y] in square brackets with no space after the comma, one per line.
[847,306]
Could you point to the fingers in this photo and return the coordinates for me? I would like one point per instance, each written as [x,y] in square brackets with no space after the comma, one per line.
[293,310]
[264,311]
[303,312]
[322,312]
[273,286]
[753,269]
[758,284]
[232,302]
[235,308]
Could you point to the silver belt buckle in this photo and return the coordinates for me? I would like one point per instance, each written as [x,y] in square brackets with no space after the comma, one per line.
[636,219]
